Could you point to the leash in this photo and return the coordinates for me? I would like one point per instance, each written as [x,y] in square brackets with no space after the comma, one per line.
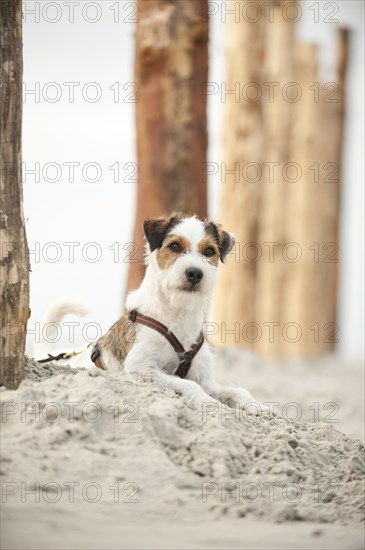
[64,355]
[52,358]
[185,356]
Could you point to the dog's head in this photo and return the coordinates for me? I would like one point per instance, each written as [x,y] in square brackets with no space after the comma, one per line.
[184,252]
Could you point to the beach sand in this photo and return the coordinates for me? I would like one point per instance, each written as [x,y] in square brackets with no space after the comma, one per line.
[110,460]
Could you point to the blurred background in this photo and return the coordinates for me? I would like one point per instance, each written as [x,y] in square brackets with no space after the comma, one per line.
[249,112]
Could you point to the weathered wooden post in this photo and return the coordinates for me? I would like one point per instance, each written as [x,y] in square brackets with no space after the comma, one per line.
[282,279]
[14,258]
[312,219]
[277,104]
[242,157]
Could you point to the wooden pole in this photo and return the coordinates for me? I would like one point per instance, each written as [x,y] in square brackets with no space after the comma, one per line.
[278,100]
[310,295]
[14,258]
[171,70]
[242,156]
[291,212]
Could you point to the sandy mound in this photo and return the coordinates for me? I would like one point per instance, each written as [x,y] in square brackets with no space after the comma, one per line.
[37,372]
[124,439]
[329,388]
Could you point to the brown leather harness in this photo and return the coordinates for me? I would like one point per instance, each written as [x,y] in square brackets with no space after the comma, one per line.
[185,356]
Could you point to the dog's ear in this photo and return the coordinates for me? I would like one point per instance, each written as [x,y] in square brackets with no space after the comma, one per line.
[155,231]
[227,242]
[224,240]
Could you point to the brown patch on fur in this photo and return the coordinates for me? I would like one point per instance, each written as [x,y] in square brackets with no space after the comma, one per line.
[209,241]
[165,256]
[119,338]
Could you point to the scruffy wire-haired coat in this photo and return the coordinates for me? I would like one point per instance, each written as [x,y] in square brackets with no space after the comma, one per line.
[182,257]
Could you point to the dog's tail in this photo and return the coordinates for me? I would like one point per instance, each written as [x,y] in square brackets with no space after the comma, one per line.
[59,310]
[51,325]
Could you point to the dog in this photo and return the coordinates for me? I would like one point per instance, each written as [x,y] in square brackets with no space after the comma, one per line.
[162,331]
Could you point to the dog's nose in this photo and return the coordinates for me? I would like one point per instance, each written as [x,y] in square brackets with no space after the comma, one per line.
[194,275]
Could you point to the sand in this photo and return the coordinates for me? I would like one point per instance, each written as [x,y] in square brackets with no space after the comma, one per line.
[100,460]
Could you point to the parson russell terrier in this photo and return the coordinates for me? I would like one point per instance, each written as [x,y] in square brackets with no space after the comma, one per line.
[163,329]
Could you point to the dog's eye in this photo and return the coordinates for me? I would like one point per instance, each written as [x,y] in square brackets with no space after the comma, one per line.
[209,252]
[175,247]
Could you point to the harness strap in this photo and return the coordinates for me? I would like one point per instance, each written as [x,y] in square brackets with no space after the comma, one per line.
[134,316]
[185,357]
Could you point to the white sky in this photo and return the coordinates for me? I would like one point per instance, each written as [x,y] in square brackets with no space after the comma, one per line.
[102,133]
